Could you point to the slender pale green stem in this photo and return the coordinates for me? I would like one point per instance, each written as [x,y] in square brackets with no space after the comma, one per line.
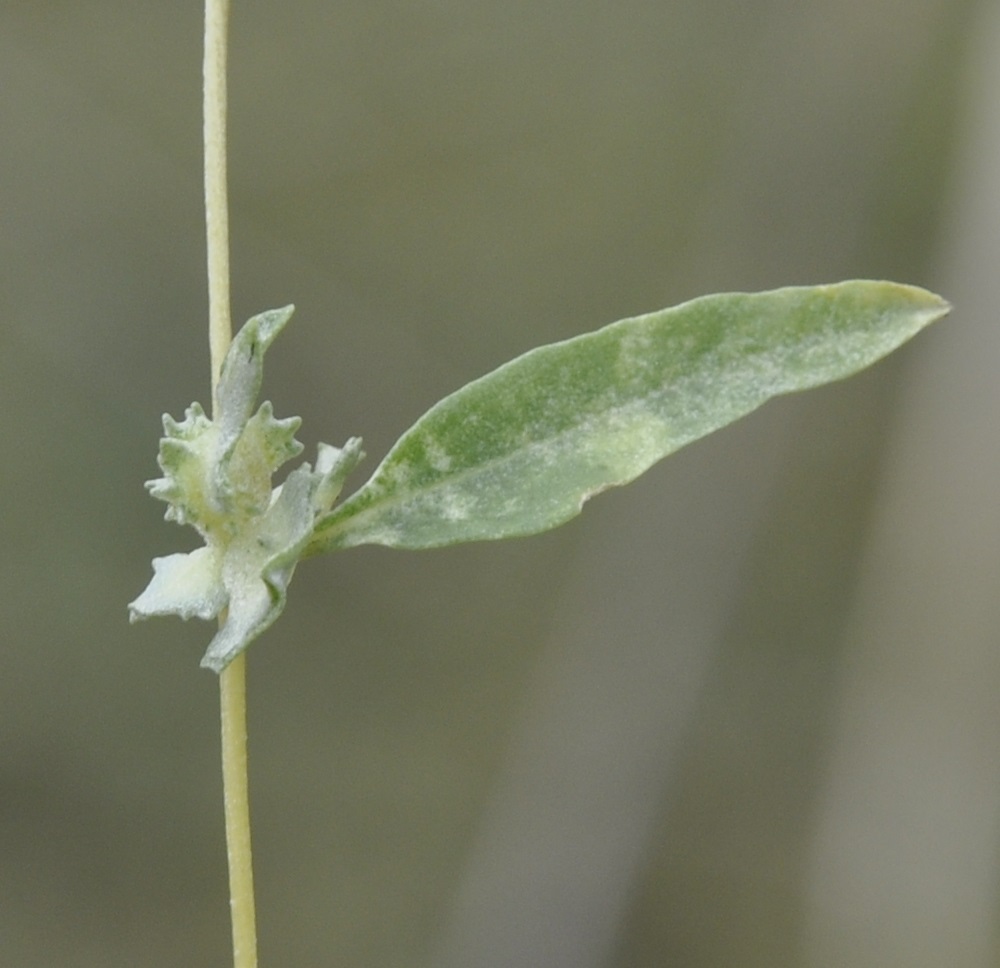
[232,681]
[234,778]
[216,195]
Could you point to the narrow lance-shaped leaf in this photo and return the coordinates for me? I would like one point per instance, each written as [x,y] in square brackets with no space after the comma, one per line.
[521,449]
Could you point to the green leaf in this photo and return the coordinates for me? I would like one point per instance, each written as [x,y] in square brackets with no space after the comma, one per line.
[521,449]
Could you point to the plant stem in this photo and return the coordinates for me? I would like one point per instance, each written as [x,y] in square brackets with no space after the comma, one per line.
[232,681]
[216,196]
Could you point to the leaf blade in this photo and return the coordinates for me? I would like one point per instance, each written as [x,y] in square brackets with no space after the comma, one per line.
[521,449]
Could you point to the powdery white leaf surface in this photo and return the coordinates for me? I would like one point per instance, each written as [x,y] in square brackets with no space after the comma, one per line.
[217,478]
[521,449]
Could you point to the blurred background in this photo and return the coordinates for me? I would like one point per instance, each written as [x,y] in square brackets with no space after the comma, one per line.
[741,713]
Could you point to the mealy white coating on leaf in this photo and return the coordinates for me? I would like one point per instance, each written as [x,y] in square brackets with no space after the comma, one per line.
[217,477]
[437,455]
[333,464]
[187,585]
[521,449]
[251,610]
[327,457]
[184,453]
[243,372]
[517,451]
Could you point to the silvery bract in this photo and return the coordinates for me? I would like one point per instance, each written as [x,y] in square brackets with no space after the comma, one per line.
[217,478]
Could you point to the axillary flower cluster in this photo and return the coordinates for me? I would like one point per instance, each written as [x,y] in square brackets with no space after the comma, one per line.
[217,478]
